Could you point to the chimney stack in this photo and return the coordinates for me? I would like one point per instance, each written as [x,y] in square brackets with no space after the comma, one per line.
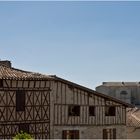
[6,63]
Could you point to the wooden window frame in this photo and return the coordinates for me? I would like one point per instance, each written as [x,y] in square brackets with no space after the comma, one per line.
[109,133]
[70,134]
[20,100]
[110,111]
[92,110]
[74,110]
[1,83]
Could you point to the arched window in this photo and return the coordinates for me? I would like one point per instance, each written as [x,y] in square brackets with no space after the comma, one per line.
[123,92]
[123,95]
[110,111]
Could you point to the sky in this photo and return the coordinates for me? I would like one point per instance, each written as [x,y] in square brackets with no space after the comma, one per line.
[85,42]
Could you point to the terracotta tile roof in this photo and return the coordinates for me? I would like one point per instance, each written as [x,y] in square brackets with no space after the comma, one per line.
[12,73]
[8,72]
[133,117]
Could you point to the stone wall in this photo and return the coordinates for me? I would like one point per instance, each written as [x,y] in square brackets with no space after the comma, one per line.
[90,132]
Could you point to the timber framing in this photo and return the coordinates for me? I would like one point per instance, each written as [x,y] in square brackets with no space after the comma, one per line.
[90,91]
[36,113]
[48,103]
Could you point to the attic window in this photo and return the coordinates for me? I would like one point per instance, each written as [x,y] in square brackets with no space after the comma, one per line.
[110,111]
[1,83]
[74,110]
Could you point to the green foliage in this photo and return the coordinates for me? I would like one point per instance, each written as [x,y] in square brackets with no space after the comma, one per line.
[23,135]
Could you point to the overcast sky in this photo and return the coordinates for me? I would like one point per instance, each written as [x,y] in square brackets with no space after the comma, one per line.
[84,42]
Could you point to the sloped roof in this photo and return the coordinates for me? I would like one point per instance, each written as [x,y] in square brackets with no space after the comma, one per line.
[12,73]
[133,117]
[17,74]
[92,91]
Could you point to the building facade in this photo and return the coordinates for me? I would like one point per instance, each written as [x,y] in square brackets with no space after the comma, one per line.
[126,91]
[24,102]
[47,106]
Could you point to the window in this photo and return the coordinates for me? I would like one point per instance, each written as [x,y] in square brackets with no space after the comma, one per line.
[109,133]
[110,111]
[20,100]
[1,83]
[91,110]
[70,134]
[123,92]
[124,95]
[74,110]
[23,127]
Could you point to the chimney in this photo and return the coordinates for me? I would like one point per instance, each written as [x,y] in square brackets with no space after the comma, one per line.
[6,63]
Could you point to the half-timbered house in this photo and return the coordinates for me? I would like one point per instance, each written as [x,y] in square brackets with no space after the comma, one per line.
[47,106]
[24,102]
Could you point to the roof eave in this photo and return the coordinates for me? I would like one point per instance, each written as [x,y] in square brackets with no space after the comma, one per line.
[92,91]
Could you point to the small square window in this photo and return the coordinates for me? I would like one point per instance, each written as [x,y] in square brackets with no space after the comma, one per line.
[91,110]
[110,111]
[74,110]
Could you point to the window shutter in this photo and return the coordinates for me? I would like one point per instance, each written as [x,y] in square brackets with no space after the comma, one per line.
[104,134]
[114,133]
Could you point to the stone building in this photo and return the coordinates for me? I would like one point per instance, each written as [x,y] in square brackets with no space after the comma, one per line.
[126,91]
[47,106]
[130,93]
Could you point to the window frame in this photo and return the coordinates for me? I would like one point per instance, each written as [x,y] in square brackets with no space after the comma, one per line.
[109,109]
[20,100]
[92,111]
[1,83]
[73,110]
[70,134]
[109,133]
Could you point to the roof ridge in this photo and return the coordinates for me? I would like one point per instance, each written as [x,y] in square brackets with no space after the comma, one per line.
[22,70]
[3,65]
[14,73]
